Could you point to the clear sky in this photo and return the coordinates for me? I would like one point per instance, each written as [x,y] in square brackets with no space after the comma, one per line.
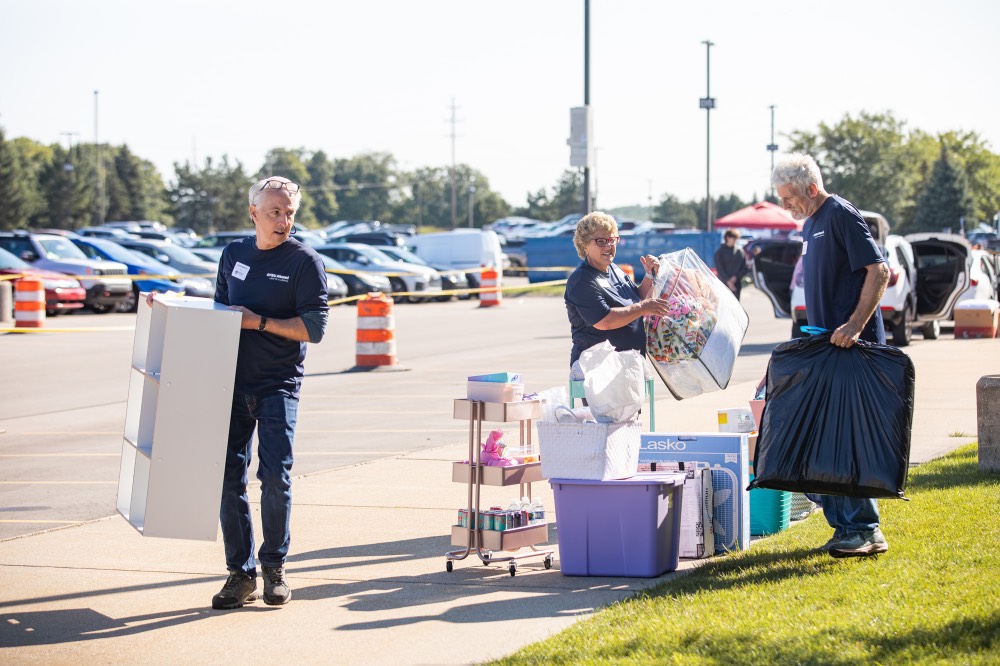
[185,80]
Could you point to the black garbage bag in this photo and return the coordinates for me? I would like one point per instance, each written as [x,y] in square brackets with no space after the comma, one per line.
[836,421]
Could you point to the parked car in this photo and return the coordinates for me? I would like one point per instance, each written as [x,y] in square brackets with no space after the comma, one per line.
[357,283]
[223,238]
[162,278]
[336,286]
[62,293]
[449,279]
[948,270]
[512,227]
[982,238]
[984,281]
[898,304]
[468,250]
[113,233]
[104,281]
[181,259]
[210,254]
[775,268]
[186,235]
[379,238]
[402,276]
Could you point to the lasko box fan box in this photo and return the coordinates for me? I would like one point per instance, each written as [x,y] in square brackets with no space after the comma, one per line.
[727,456]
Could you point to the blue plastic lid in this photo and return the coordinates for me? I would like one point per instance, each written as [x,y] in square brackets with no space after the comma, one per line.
[640,479]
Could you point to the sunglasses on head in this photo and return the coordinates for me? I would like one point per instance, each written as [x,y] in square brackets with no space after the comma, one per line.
[279,184]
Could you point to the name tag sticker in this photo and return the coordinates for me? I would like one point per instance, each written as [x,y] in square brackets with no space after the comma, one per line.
[805,246]
[603,283]
[240,271]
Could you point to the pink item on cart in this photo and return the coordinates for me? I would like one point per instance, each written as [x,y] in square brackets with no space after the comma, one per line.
[494,450]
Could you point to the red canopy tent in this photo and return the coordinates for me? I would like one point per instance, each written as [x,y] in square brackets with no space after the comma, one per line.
[763,215]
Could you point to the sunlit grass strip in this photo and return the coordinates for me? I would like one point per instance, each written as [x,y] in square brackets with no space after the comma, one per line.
[934,598]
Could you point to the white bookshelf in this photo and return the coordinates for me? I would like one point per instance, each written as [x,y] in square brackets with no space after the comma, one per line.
[177,419]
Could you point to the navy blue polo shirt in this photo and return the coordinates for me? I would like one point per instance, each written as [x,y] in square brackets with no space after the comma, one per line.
[280,283]
[837,245]
[590,295]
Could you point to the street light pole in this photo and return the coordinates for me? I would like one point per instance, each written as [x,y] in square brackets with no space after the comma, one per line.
[708,103]
[454,195]
[100,169]
[472,191]
[772,148]
[586,99]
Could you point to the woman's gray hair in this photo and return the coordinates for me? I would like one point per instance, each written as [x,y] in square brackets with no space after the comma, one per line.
[257,189]
[588,225]
[798,170]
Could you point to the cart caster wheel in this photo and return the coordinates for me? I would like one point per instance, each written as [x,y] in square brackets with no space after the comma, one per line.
[548,562]
[448,566]
[512,569]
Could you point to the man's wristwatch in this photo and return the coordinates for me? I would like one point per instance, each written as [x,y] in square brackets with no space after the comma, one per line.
[262,324]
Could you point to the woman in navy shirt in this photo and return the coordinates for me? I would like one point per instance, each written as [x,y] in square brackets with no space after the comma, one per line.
[601,301]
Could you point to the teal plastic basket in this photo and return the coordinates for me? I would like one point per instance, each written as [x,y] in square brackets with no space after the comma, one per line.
[770,510]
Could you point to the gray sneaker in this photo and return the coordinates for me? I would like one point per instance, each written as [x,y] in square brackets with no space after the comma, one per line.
[240,588]
[860,544]
[834,540]
[276,592]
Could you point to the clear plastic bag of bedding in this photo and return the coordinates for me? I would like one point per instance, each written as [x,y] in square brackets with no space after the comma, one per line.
[693,349]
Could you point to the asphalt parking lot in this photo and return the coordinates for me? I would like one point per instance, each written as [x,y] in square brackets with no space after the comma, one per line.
[64,394]
[373,496]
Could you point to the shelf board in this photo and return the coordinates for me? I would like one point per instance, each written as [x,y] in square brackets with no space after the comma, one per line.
[145,449]
[517,537]
[152,376]
[498,476]
[500,412]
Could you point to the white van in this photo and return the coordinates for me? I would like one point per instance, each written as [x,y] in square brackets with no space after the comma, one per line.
[462,249]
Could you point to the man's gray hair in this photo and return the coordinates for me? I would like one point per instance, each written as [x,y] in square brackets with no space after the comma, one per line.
[798,170]
[257,189]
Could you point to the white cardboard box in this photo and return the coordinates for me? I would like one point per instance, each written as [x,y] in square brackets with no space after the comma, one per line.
[736,419]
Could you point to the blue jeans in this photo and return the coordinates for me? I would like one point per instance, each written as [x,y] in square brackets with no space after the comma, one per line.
[848,514]
[273,415]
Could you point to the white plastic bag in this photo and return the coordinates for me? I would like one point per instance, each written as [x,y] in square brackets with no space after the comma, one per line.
[552,399]
[613,382]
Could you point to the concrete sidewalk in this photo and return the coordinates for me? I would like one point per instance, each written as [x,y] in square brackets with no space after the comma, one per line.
[367,566]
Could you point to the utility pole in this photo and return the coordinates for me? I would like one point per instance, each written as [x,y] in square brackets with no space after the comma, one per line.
[472,192]
[454,193]
[419,191]
[772,148]
[586,99]
[708,103]
[100,168]
[68,164]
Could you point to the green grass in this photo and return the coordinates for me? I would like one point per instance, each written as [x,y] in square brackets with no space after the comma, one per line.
[934,598]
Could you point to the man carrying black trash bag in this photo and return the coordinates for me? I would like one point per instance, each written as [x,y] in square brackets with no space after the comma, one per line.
[845,276]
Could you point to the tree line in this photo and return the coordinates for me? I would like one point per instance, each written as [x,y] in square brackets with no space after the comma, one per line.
[918,181]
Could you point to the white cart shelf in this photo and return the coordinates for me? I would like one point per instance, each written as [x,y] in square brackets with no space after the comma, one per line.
[177,420]
[475,475]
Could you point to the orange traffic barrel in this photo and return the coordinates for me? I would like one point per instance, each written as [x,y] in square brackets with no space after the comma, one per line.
[29,303]
[490,283]
[376,339]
